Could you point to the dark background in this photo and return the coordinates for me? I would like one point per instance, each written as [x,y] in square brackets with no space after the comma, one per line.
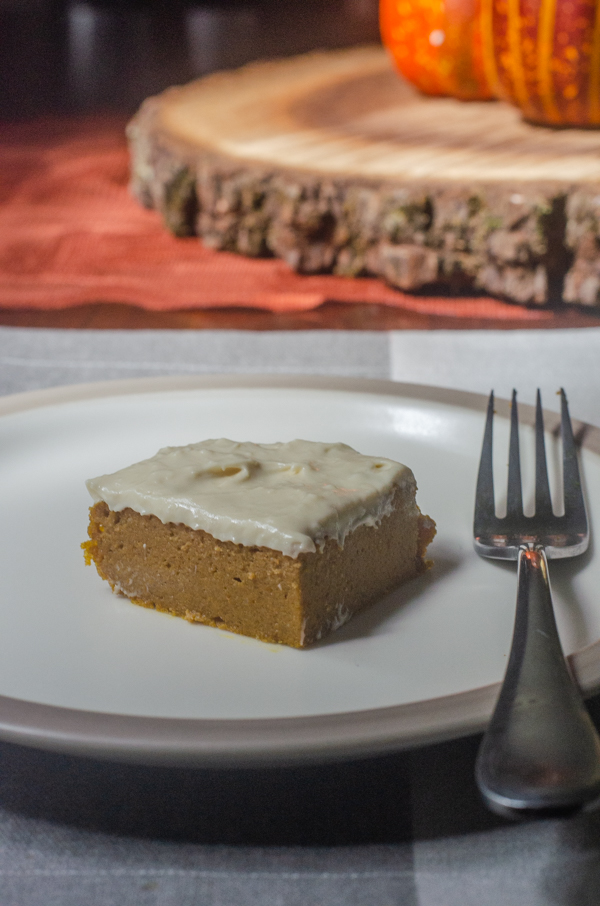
[98,56]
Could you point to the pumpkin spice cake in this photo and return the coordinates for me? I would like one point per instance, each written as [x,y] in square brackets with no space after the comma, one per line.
[282,542]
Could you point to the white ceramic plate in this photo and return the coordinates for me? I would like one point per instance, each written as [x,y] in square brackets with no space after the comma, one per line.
[82,670]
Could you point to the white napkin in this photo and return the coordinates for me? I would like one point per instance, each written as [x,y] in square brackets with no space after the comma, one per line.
[484,360]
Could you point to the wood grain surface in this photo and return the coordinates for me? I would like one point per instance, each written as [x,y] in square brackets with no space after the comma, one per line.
[332,163]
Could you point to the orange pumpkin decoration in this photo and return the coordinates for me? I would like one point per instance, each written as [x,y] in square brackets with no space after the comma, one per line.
[544,56]
[437,45]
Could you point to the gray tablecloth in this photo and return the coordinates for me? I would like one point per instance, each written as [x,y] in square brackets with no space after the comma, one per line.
[404,829]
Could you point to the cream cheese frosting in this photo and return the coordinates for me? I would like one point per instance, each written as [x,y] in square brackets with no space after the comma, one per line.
[289,497]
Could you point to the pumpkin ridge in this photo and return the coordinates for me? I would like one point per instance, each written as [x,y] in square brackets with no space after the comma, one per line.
[517,70]
[486,17]
[545,51]
[594,86]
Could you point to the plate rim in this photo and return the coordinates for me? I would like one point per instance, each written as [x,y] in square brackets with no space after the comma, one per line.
[227,742]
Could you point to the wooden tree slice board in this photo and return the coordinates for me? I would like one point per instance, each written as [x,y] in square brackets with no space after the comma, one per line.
[333,163]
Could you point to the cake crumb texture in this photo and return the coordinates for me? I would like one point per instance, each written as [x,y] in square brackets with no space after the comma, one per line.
[256,591]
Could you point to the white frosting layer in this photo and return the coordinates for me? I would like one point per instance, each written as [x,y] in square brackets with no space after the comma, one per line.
[288,497]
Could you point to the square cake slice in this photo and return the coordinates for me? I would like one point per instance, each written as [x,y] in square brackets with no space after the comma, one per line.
[281,542]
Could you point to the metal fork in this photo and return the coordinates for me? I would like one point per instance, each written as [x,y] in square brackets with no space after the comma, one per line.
[541,752]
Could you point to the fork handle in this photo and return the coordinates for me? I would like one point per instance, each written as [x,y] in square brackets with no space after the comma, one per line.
[541,751]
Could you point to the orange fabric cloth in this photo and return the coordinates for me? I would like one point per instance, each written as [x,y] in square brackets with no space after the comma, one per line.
[70,233]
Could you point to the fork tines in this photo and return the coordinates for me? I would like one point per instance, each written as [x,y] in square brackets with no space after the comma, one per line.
[514,494]
[543,519]
[573,492]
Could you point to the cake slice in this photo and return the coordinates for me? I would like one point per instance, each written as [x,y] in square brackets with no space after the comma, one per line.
[282,542]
